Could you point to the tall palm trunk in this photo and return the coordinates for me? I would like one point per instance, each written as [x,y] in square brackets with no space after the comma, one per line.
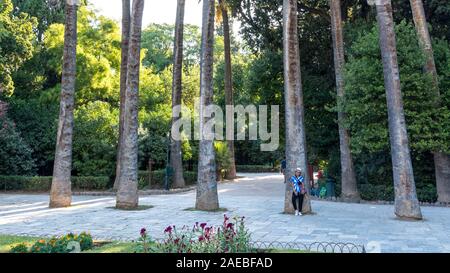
[231,174]
[175,147]
[127,194]
[61,192]
[406,203]
[126,14]
[207,197]
[441,160]
[295,118]
[348,176]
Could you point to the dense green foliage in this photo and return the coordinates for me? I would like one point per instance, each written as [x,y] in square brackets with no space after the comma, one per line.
[365,104]
[15,154]
[16,44]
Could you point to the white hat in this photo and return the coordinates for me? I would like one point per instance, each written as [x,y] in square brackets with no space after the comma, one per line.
[298,170]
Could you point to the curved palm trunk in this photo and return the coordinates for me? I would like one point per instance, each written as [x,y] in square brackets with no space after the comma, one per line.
[207,197]
[231,174]
[441,160]
[127,194]
[348,176]
[61,192]
[176,161]
[406,203]
[295,127]
[126,14]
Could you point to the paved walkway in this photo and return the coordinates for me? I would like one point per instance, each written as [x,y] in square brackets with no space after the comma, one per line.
[258,197]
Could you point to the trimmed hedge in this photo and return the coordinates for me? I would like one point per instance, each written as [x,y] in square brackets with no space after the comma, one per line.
[425,193]
[255,169]
[158,178]
[43,183]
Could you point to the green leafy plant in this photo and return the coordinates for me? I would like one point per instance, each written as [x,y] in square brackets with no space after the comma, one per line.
[20,248]
[57,244]
[223,161]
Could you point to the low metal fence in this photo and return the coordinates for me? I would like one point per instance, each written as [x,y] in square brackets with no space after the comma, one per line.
[319,247]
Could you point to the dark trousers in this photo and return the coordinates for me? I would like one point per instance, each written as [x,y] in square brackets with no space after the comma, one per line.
[298,197]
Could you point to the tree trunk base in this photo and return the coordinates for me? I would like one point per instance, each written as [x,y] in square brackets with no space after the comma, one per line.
[231,177]
[126,206]
[351,198]
[60,194]
[60,202]
[407,210]
[178,182]
[206,207]
[306,209]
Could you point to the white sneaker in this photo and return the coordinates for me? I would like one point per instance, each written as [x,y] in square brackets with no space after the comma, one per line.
[300,214]
[296,213]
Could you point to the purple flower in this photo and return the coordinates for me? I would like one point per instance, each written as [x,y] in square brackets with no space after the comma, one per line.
[203,225]
[168,230]
[143,232]
[201,238]
[230,226]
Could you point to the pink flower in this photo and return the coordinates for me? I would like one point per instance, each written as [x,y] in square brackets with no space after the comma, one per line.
[201,238]
[230,226]
[203,225]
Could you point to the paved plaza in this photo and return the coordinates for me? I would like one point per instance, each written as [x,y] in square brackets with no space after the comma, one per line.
[258,197]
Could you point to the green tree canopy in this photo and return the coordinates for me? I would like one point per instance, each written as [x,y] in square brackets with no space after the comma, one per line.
[16,43]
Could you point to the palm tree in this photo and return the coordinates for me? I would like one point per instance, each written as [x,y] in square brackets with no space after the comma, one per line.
[126,14]
[295,118]
[406,203]
[61,191]
[127,194]
[441,160]
[223,9]
[175,147]
[348,176]
[207,197]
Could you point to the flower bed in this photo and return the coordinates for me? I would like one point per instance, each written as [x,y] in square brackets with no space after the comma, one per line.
[231,237]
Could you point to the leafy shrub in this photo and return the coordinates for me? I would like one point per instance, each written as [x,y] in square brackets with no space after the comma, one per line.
[20,248]
[90,182]
[427,193]
[158,178]
[15,153]
[371,192]
[228,238]
[57,244]
[43,183]
[223,162]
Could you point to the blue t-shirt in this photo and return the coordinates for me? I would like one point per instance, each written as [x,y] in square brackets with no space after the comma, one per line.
[297,182]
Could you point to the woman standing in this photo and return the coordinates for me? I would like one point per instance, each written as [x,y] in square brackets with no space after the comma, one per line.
[298,186]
